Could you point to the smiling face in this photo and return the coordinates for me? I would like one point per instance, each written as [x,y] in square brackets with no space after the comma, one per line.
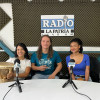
[20,51]
[45,42]
[74,47]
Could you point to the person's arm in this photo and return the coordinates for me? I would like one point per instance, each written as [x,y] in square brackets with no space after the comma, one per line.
[26,73]
[58,68]
[87,70]
[59,65]
[21,75]
[40,68]
[87,73]
[33,64]
[73,77]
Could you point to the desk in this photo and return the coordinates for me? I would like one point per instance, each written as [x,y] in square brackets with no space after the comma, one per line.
[50,89]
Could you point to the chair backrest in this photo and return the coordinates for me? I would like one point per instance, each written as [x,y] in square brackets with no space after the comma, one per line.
[94,69]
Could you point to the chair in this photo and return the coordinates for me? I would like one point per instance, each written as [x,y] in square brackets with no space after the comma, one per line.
[63,74]
[94,69]
[99,67]
[32,72]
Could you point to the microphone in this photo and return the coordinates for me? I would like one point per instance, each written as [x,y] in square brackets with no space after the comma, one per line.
[65,18]
[17,66]
[71,64]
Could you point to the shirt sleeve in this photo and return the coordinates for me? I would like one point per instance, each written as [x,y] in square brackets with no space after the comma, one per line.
[11,60]
[67,60]
[87,60]
[28,63]
[58,59]
[33,58]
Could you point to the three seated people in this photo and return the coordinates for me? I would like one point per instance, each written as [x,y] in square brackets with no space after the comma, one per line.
[44,59]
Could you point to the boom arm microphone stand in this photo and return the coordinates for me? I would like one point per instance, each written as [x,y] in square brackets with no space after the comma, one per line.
[70,80]
[17,83]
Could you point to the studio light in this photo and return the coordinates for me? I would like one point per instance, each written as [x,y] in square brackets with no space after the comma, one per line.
[29,0]
[61,0]
[92,0]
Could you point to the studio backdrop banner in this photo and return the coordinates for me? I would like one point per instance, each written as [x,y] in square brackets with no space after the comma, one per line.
[57,25]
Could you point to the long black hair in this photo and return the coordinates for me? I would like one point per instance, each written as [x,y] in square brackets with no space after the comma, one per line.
[79,43]
[24,48]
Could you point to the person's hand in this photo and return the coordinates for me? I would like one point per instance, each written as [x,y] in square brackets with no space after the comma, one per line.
[52,76]
[10,75]
[43,68]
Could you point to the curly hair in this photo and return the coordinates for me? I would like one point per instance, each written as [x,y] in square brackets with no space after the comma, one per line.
[79,43]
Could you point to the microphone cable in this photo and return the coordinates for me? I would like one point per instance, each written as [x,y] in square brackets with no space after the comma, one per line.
[80,93]
[7,92]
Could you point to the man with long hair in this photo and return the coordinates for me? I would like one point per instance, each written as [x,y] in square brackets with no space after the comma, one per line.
[44,60]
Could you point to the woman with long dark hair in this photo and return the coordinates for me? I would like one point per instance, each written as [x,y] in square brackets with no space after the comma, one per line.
[82,61]
[21,53]
[44,60]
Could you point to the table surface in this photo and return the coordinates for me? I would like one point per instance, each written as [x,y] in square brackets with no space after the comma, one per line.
[50,89]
